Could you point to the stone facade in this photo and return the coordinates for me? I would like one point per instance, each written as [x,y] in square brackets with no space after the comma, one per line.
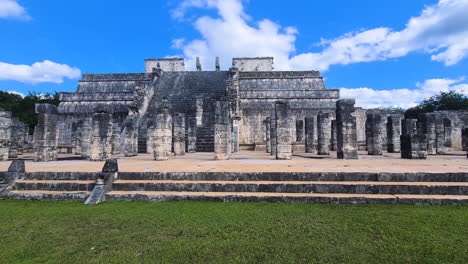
[324,133]
[374,132]
[347,143]
[465,140]
[5,133]
[162,137]
[179,134]
[45,133]
[284,131]
[223,133]
[413,146]
[310,126]
[409,127]
[101,139]
[393,133]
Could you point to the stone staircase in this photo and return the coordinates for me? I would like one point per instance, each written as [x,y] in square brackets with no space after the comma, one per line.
[53,186]
[405,188]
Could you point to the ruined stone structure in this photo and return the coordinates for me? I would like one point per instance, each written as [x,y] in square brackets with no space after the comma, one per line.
[413,146]
[5,134]
[374,133]
[45,133]
[465,140]
[223,131]
[284,131]
[323,133]
[393,133]
[162,135]
[310,127]
[347,143]
[101,139]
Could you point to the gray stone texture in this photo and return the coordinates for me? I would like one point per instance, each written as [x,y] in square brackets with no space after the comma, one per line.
[101,140]
[223,133]
[267,123]
[393,133]
[131,135]
[310,131]
[299,130]
[374,131]
[347,145]
[45,133]
[162,137]
[413,146]
[273,134]
[323,133]
[178,136]
[6,124]
[284,131]
[333,146]
[409,127]
[191,135]
[427,127]
[465,140]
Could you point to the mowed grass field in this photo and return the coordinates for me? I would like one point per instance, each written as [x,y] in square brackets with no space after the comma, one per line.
[203,232]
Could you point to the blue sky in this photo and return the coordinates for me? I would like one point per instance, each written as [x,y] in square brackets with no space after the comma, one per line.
[387,52]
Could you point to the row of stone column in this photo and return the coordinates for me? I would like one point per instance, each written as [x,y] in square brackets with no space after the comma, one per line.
[339,134]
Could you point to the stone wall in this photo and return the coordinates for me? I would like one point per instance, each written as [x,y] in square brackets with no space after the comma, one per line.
[253,64]
[167,65]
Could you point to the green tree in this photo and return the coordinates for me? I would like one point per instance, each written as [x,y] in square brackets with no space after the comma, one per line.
[451,100]
[23,108]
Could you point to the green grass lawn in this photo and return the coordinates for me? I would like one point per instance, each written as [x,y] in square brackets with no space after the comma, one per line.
[202,232]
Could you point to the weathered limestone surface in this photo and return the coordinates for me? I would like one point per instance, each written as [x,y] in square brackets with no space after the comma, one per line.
[267,123]
[101,141]
[347,145]
[374,131]
[191,135]
[333,136]
[299,130]
[19,132]
[223,131]
[409,127]
[45,133]
[413,146]
[284,130]
[427,127]
[324,133]
[393,133]
[273,134]
[162,137]
[179,134]
[131,135]
[310,127]
[5,133]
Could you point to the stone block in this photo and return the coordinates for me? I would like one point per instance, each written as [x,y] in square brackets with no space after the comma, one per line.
[347,145]
[284,130]
[413,146]
[323,133]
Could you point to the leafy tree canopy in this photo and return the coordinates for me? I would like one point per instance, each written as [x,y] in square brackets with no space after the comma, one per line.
[451,100]
[23,108]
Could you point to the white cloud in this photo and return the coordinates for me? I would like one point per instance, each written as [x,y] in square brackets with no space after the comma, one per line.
[11,9]
[405,98]
[440,30]
[39,72]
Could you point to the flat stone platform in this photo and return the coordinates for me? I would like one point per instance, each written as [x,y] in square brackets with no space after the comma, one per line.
[249,161]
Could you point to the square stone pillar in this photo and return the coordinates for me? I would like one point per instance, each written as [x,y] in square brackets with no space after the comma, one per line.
[347,145]
[150,126]
[101,141]
[223,131]
[299,130]
[409,127]
[5,133]
[45,133]
[465,140]
[413,146]
[267,123]
[309,134]
[85,137]
[162,137]
[273,134]
[374,126]
[333,136]
[178,136]
[427,126]
[191,135]
[284,130]
[116,131]
[323,133]
[235,135]
[131,135]
[393,133]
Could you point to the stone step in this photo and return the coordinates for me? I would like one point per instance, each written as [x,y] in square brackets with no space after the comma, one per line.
[59,176]
[432,188]
[55,185]
[48,195]
[330,198]
[296,176]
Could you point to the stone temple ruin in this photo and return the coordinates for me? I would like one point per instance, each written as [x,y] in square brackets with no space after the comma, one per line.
[167,112]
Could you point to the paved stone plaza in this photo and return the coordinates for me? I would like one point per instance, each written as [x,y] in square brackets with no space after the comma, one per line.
[249,161]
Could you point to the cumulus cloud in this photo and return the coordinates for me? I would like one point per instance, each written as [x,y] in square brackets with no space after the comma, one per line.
[11,9]
[404,98]
[441,30]
[15,92]
[39,72]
